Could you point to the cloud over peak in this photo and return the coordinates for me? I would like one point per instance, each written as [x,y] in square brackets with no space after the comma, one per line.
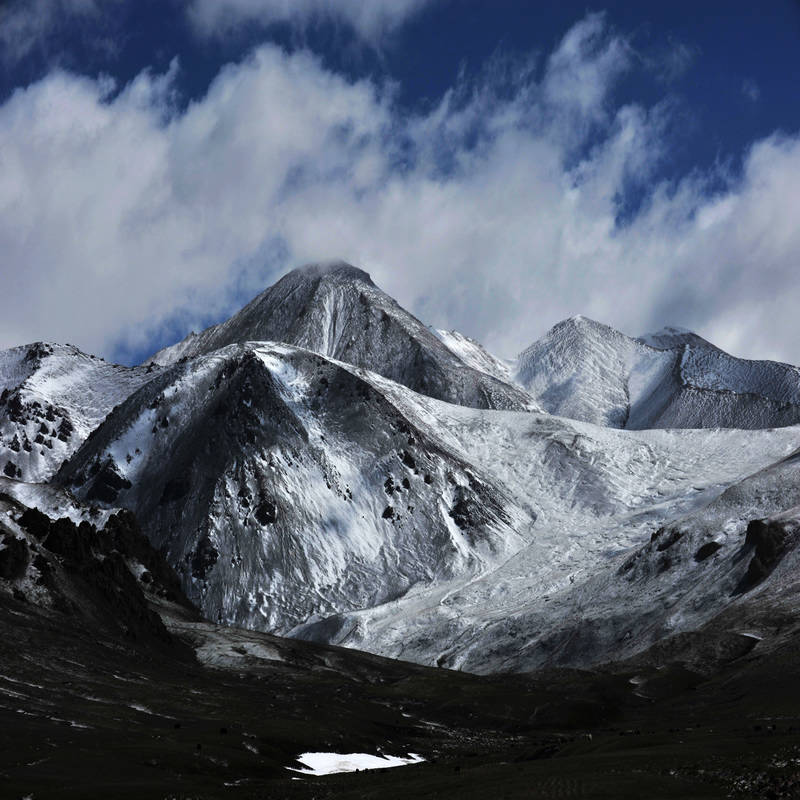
[126,220]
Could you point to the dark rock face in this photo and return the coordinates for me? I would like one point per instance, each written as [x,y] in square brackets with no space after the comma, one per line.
[36,523]
[14,557]
[69,541]
[473,507]
[706,551]
[86,573]
[463,510]
[204,558]
[770,540]
[107,485]
[666,538]
[175,489]
[266,512]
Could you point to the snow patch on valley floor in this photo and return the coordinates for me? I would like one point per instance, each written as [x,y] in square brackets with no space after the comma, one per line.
[330,763]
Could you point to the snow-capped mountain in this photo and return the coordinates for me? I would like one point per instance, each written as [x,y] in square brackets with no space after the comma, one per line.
[284,485]
[52,397]
[672,379]
[337,311]
[325,465]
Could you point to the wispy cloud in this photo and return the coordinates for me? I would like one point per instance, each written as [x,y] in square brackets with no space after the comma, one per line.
[672,61]
[751,90]
[29,25]
[372,20]
[494,212]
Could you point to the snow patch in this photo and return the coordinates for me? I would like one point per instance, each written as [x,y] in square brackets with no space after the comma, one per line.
[330,763]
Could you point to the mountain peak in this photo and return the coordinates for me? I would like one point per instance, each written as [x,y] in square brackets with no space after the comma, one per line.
[583,323]
[335,268]
[566,333]
[334,309]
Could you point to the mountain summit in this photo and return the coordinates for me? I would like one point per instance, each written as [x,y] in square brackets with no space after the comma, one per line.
[585,370]
[335,309]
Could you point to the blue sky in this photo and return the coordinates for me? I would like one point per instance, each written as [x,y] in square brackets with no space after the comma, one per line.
[495,166]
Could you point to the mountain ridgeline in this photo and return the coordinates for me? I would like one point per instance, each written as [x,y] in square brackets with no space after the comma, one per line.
[672,379]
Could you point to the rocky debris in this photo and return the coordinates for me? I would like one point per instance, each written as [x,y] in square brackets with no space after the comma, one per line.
[91,574]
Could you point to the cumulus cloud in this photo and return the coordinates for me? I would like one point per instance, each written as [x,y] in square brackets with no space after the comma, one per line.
[496,212]
[372,20]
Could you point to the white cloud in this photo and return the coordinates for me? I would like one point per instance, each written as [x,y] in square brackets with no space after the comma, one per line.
[495,216]
[372,20]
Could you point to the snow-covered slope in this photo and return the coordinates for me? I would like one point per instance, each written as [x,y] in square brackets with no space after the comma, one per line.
[740,550]
[284,485]
[598,495]
[673,379]
[296,493]
[336,310]
[52,397]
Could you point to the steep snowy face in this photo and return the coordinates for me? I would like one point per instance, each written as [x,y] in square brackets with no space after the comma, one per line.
[337,311]
[642,535]
[284,485]
[475,355]
[580,370]
[51,398]
[672,379]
